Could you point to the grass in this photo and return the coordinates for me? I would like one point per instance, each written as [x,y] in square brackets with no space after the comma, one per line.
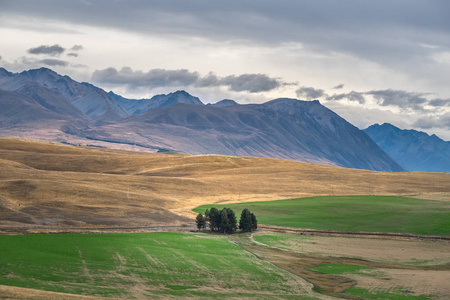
[70,186]
[338,269]
[361,293]
[396,294]
[140,265]
[352,213]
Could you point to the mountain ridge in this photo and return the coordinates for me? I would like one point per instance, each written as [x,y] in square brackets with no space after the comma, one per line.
[282,128]
[414,150]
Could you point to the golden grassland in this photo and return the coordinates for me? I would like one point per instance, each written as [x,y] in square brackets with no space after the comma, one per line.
[65,186]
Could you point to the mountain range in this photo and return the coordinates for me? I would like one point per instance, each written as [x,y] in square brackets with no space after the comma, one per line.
[45,105]
[414,150]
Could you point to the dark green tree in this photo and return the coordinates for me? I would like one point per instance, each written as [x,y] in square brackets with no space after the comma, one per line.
[254,222]
[224,223]
[200,220]
[232,221]
[214,219]
[245,222]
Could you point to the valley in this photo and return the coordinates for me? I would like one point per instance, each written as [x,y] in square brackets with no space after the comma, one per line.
[53,188]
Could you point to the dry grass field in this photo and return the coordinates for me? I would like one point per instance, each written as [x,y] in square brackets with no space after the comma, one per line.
[421,266]
[51,185]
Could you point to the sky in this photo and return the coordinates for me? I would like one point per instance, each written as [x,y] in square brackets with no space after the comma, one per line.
[369,61]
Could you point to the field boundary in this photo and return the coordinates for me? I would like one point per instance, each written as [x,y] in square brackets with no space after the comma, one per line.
[308,231]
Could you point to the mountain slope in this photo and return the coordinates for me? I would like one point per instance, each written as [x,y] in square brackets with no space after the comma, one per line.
[282,128]
[137,107]
[90,100]
[414,150]
[17,110]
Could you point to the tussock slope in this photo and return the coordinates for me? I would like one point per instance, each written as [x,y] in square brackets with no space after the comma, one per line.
[55,185]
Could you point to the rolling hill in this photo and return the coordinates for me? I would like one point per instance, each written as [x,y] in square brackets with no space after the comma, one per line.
[55,186]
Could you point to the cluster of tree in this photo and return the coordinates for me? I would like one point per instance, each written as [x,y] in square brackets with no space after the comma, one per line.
[224,221]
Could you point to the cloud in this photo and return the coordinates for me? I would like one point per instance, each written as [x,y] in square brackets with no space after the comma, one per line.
[439,102]
[253,83]
[352,96]
[399,98]
[151,79]
[339,86]
[48,50]
[439,122]
[54,62]
[309,93]
[156,78]
[76,48]
[72,54]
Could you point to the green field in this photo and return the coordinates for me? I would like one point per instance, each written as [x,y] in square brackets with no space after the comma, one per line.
[141,265]
[352,213]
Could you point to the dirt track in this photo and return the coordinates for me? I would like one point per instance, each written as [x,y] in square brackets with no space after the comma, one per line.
[305,231]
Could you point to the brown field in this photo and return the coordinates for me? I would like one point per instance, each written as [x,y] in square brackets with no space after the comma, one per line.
[421,266]
[51,185]
[392,250]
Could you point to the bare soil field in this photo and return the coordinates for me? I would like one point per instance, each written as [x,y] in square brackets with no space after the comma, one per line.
[51,185]
[392,250]
[399,271]
[421,282]
[13,292]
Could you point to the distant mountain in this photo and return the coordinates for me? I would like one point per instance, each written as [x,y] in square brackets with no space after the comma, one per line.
[92,101]
[17,110]
[282,128]
[225,102]
[43,104]
[414,150]
[137,107]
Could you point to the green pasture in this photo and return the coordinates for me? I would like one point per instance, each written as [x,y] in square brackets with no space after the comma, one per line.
[141,265]
[339,269]
[352,213]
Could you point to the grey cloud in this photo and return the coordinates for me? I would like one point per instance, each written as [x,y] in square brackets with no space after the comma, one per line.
[151,79]
[54,62]
[253,83]
[76,48]
[352,96]
[439,102]
[72,54]
[49,50]
[399,98]
[368,29]
[439,122]
[339,86]
[309,93]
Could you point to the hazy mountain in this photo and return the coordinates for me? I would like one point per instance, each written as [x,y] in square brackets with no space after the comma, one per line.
[137,107]
[282,128]
[225,102]
[414,150]
[17,110]
[92,101]
[42,103]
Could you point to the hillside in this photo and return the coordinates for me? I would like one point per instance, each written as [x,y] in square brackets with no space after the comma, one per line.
[49,185]
[414,150]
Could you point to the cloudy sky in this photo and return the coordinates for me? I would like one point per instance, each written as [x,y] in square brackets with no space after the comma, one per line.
[369,61]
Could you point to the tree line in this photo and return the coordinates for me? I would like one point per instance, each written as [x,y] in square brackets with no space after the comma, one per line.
[224,221]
